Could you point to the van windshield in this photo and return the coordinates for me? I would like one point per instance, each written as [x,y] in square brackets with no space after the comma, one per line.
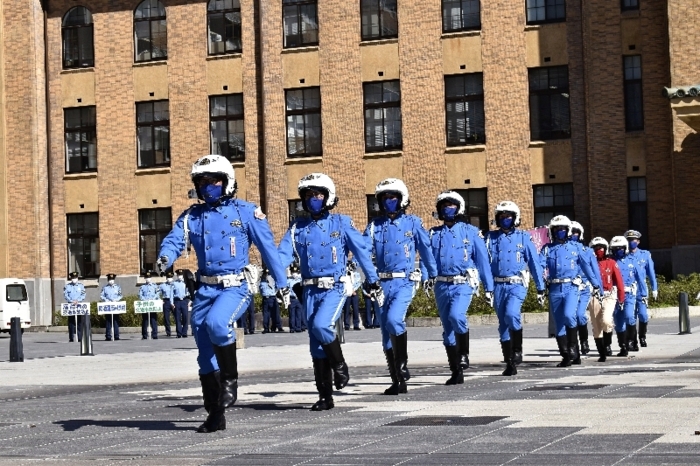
[16,293]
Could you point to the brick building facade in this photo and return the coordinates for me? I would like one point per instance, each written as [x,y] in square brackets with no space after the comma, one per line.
[558,108]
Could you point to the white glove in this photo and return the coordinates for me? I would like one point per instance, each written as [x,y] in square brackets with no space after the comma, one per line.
[489,297]
[540,298]
[428,286]
[655,294]
[162,264]
[284,296]
[377,293]
[645,300]
[598,295]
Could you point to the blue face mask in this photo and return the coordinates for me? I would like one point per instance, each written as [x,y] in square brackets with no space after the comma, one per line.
[211,192]
[448,213]
[390,205]
[634,244]
[574,237]
[506,222]
[315,205]
[619,253]
[561,234]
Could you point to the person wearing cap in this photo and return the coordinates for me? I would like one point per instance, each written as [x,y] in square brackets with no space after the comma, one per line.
[148,292]
[111,292]
[74,292]
[181,299]
[646,267]
[221,230]
[167,291]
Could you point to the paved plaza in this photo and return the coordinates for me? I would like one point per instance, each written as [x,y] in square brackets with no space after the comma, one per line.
[139,401]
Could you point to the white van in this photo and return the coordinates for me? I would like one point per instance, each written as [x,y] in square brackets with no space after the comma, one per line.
[13,303]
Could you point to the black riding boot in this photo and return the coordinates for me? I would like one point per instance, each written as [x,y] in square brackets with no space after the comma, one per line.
[337,362]
[574,354]
[622,341]
[228,377]
[583,336]
[507,349]
[601,349]
[463,345]
[643,334]
[397,386]
[563,345]
[516,337]
[632,338]
[324,384]
[607,340]
[210,392]
[453,357]
[400,345]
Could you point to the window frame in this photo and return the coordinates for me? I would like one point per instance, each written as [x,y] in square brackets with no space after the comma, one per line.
[150,20]
[152,232]
[382,105]
[546,20]
[152,125]
[634,85]
[299,4]
[380,14]
[632,206]
[304,111]
[95,269]
[548,92]
[234,29]
[624,7]
[464,98]
[76,39]
[89,129]
[227,118]
[461,9]
[554,209]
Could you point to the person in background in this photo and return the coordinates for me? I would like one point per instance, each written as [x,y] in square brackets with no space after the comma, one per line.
[111,292]
[74,292]
[148,292]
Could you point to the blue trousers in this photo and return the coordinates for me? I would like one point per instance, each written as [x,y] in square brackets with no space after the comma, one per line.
[563,301]
[270,309]
[181,306]
[75,323]
[295,312]
[624,315]
[508,299]
[398,294]
[108,326]
[167,309]
[640,310]
[453,303]
[371,313]
[323,308]
[352,303]
[247,320]
[214,311]
[582,310]
[154,325]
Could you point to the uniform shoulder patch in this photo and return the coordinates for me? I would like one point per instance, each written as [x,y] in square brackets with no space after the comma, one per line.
[258,213]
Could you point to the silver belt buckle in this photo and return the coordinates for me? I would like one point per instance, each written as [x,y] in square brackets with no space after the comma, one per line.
[459,280]
[226,282]
[325,283]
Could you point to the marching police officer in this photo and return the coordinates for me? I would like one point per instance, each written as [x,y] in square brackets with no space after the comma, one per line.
[111,292]
[564,260]
[270,306]
[635,285]
[646,265]
[320,244]
[394,237]
[512,253]
[181,299]
[460,253]
[167,291]
[74,292]
[586,287]
[221,231]
[148,292]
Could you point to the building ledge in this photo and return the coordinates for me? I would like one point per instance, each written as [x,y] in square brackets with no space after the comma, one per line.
[89,69]
[152,171]
[79,176]
[238,164]
[303,160]
[550,142]
[90,282]
[369,43]
[163,62]
[687,109]
[465,149]
[310,48]
[225,56]
[470,33]
[383,155]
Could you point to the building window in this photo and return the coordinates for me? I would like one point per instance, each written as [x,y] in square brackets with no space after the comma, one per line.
[634,115]
[379,19]
[461,15]
[476,207]
[626,5]
[150,33]
[153,130]
[300,19]
[224,20]
[545,11]
[84,244]
[637,206]
[372,208]
[551,200]
[77,33]
[154,225]
[296,211]
[303,111]
[81,139]
[382,104]
[549,103]
[226,126]
[464,109]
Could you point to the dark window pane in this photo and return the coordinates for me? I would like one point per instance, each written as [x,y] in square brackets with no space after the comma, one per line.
[551,200]
[460,15]
[303,116]
[379,19]
[464,109]
[77,33]
[226,126]
[300,23]
[83,244]
[634,112]
[545,11]
[80,138]
[629,5]
[382,116]
[150,31]
[154,225]
[476,207]
[549,103]
[224,20]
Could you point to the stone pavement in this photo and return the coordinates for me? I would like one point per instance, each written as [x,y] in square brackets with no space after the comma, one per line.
[138,402]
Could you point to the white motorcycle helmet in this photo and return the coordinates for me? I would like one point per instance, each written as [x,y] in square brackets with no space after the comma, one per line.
[598,241]
[559,221]
[449,196]
[319,182]
[218,167]
[392,185]
[577,226]
[508,206]
[619,242]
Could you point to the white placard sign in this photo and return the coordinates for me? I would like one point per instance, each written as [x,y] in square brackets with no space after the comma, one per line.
[77,309]
[118,307]
[144,307]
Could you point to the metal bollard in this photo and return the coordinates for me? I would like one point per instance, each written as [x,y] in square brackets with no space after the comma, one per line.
[683,314]
[16,347]
[552,325]
[86,341]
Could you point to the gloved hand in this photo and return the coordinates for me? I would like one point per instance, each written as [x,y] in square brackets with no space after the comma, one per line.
[377,293]
[284,296]
[598,295]
[541,297]
[655,294]
[428,286]
[489,297]
[162,264]
[645,300]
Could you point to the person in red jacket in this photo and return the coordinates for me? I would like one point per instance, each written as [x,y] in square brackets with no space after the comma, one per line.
[613,289]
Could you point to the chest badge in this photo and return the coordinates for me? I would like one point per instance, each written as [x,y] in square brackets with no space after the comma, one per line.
[236,223]
[335,234]
[408,233]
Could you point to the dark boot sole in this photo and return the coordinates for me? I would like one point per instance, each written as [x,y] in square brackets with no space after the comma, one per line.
[455,380]
[396,390]
[322,405]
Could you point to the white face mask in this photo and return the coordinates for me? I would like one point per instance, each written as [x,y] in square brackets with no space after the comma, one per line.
[74,280]
[179,278]
[111,282]
[170,280]
[148,280]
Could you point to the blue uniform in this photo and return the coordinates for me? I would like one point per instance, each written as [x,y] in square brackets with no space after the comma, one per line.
[564,262]
[111,293]
[321,247]
[74,292]
[394,243]
[182,303]
[635,285]
[295,310]
[221,236]
[461,257]
[270,306]
[646,267]
[511,254]
[586,288]
[167,290]
[148,292]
